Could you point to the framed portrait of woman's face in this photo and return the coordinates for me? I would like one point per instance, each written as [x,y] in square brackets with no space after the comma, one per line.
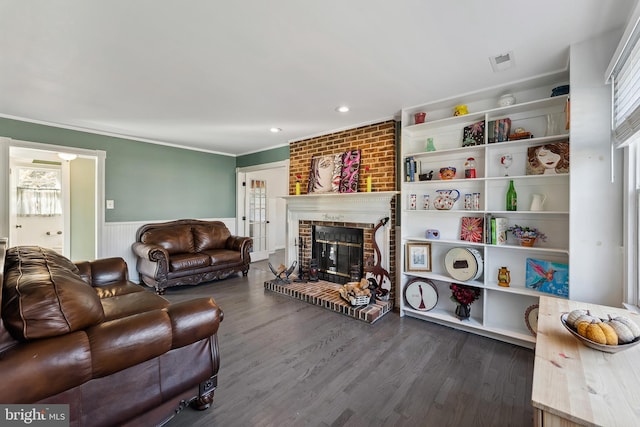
[548,159]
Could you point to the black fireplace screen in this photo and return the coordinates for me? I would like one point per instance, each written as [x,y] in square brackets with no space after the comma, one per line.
[338,251]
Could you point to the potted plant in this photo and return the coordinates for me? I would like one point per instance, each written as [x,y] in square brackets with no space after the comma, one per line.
[463,296]
[527,236]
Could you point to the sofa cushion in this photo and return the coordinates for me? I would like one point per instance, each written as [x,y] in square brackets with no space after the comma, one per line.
[224,256]
[180,262]
[175,240]
[210,236]
[124,305]
[44,296]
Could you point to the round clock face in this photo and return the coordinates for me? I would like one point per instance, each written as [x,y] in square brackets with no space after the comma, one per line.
[531,319]
[421,294]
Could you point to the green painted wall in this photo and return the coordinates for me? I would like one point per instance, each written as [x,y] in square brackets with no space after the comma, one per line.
[262,157]
[148,181]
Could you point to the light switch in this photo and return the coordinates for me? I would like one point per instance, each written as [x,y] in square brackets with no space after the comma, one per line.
[111,204]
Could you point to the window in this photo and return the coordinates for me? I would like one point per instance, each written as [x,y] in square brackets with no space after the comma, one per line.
[38,192]
[624,74]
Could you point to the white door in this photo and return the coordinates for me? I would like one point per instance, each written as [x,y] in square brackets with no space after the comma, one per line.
[257,216]
[39,202]
[261,209]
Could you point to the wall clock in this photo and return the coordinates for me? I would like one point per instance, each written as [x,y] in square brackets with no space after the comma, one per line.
[421,294]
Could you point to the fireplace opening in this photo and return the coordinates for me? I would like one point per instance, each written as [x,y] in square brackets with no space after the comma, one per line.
[339,253]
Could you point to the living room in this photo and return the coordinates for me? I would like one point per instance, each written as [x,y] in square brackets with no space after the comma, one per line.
[151,178]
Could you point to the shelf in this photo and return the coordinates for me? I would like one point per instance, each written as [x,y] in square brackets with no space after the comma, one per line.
[442,278]
[454,242]
[494,113]
[526,177]
[447,316]
[530,249]
[444,317]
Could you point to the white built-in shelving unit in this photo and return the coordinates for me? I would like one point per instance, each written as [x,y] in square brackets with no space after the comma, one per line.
[500,311]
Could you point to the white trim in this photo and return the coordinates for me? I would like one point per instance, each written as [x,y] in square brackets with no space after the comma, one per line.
[632,24]
[112,134]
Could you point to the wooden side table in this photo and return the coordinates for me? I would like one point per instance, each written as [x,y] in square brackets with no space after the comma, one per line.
[574,385]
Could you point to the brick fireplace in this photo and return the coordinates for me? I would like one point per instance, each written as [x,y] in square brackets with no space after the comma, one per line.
[356,210]
[361,210]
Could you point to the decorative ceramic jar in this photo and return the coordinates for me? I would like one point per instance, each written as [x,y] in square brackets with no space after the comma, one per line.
[506,100]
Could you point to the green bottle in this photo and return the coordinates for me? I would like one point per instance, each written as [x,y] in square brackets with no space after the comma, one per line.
[512,198]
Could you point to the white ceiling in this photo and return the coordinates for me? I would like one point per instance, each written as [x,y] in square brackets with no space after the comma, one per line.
[215,76]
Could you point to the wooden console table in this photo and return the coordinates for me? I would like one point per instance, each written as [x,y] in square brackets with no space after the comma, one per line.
[574,385]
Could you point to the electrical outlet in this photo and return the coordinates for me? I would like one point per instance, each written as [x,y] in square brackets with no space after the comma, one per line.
[111,204]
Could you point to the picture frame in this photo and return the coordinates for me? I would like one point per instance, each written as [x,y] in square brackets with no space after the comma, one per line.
[548,159]
[547,276]
[418,256]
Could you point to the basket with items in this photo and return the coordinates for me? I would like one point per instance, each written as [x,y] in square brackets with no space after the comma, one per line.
[610,335]
[356,293]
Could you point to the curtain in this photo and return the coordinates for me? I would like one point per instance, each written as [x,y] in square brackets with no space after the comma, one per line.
[40,202]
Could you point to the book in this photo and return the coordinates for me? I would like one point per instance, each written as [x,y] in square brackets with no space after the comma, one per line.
[500,230]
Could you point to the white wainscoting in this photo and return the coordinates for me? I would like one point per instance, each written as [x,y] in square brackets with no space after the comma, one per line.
[119,236]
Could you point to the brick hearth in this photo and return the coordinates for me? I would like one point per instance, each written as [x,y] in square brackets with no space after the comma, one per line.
[325,294]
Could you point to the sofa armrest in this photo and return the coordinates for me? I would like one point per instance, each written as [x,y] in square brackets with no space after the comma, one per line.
[153,260]
[193,320]
[241,244]
[104,271]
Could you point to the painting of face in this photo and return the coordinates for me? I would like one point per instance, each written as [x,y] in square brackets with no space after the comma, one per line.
[548,159]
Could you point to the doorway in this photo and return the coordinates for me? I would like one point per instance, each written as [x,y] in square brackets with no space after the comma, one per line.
[56,202]
[261,210]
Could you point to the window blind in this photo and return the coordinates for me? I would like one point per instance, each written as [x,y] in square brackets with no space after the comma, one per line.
[626,91]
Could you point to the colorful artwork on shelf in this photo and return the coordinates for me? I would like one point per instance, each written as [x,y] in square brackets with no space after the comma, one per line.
[548,159]
[350,171]
[335,173]
[473,134]
[549,277]
[471,229]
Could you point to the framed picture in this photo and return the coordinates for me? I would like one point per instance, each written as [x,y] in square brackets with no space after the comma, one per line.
[548,159]
[472,229]
[547,276]
[324,175]
[418,256]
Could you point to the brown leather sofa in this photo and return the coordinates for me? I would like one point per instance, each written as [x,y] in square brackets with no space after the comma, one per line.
[188,252]
[83,335]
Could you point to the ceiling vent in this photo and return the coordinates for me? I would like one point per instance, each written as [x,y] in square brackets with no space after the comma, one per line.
[502,62]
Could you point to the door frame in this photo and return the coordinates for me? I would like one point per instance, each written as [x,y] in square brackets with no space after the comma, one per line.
[5,194]
[241,193]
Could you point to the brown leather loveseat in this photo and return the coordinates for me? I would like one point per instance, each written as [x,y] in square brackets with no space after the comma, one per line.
[188,252]
[83,335]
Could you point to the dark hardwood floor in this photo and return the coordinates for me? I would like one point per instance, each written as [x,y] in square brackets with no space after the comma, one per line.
[288,363]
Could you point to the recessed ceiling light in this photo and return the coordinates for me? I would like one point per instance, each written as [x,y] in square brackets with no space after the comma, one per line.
[275,130]
[342,109]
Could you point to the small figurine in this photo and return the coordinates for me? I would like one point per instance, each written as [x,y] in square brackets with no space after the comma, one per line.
[460,110]
[504,277]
